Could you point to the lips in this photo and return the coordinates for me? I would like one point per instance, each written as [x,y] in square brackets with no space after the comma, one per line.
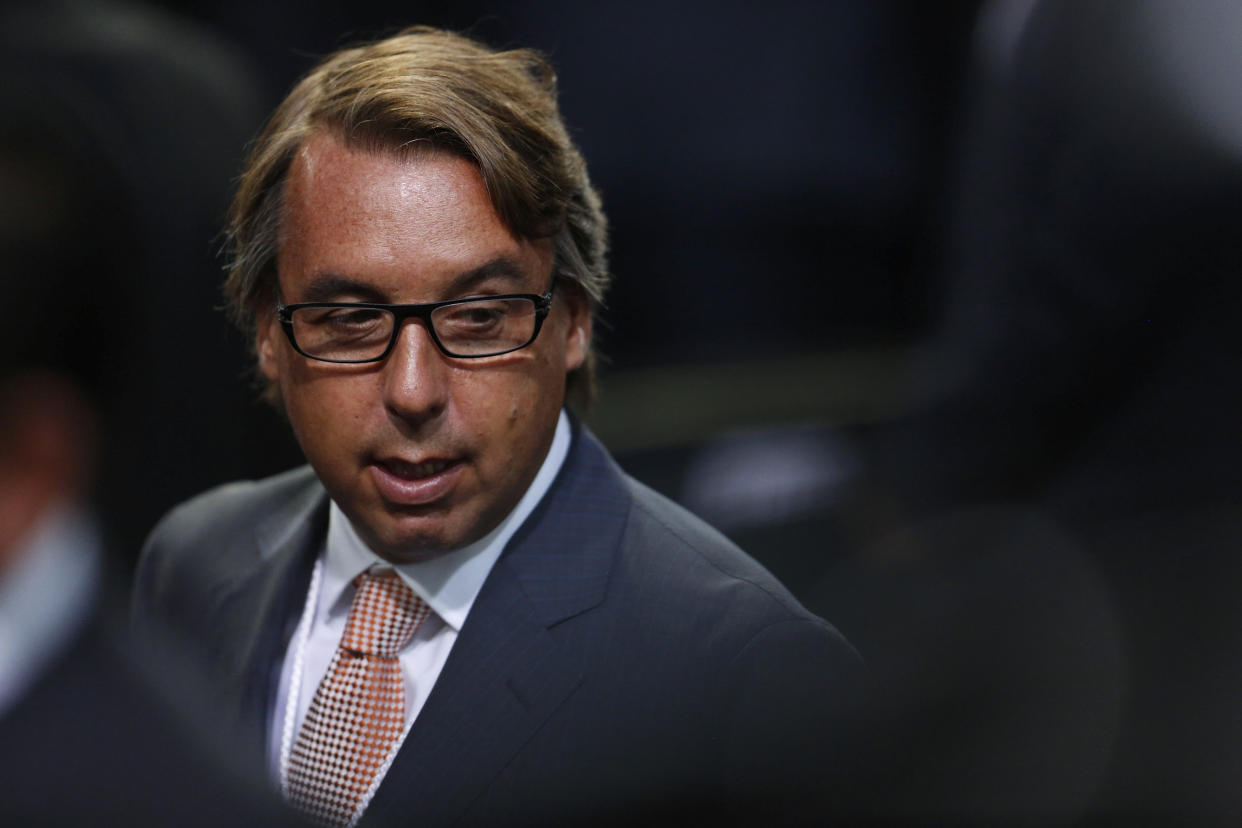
[404,483]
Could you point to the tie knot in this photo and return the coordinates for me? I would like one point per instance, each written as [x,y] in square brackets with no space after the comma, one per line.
[384,615]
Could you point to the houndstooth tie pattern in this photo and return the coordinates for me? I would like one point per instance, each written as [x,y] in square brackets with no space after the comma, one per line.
[358,712]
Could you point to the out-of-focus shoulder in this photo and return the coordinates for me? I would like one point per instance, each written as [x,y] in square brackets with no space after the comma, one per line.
[237,503]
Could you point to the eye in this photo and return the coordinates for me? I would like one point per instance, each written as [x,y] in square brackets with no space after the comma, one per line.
[343,318]
[484,327]
[472,317]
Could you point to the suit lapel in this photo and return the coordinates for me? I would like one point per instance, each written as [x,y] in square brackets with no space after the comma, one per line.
[508,670]
[257,612]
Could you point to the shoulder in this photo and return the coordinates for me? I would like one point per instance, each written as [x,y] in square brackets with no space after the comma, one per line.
[685,568]
[218,533]
[664,568]
[233,507]
[669,538]
[656,521]
[778,679]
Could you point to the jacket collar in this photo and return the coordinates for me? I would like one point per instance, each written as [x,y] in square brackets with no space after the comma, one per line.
[255,613]
[563,554]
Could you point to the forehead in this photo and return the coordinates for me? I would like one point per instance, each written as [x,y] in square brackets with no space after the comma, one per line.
[407,225]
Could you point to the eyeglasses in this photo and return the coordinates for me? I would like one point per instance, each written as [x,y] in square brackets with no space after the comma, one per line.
[481,326]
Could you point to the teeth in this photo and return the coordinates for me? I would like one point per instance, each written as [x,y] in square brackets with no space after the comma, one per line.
[416,470]
[428,469]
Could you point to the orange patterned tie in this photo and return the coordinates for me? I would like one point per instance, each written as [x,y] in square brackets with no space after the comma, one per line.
[358,712]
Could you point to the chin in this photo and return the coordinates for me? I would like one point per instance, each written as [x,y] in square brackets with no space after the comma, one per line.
[409,556]
[410,534]
[411,544]
[410,547]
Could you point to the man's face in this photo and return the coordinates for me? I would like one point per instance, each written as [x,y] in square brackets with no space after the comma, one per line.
[425,453]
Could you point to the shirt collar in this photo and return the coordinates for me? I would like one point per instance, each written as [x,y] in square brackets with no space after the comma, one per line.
[449,583]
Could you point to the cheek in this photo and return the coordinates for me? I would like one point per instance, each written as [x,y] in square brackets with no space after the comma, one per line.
[328,414]
[514,423]
[505,405]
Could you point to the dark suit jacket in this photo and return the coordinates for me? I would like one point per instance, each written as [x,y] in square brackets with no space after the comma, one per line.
[622,657]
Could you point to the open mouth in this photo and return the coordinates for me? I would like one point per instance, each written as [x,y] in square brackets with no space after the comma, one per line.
[402,483]
[415,471]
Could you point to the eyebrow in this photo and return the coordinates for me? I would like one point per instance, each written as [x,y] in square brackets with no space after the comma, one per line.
[330,287]
[499,269]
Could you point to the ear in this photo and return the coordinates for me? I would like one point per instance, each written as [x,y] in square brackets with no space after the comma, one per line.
[267,341]
[578,331]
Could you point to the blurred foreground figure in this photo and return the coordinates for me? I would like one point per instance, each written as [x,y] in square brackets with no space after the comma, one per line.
[1064,643]
[87,735]
[419,255]
[136,124]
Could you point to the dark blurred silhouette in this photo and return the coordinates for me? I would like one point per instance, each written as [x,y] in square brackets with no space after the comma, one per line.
[86,733]
[1049,592]
[133,125]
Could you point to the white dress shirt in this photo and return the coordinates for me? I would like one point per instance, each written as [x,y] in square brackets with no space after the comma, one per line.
[448,583]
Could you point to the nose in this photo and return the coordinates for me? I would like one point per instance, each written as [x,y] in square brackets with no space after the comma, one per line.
[415,376]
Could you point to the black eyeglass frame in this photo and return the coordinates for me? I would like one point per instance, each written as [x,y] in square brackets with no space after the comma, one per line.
[543,304]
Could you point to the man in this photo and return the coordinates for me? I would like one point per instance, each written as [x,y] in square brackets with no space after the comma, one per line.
[419,254]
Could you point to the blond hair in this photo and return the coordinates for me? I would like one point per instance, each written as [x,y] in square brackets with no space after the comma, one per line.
[423,87]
